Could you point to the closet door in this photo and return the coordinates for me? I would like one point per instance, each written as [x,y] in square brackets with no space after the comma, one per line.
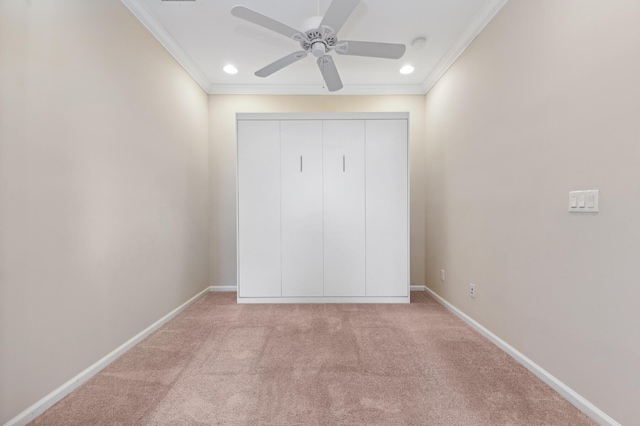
[386,208]
[344,208]
[259,209]
[301,169]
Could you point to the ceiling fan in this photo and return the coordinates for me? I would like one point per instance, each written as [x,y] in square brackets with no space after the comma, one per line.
[319,37]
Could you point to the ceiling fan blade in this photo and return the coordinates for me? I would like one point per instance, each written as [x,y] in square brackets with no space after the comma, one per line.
[330,73]
[338,13]
[372,49]
[281,63]
[266,22]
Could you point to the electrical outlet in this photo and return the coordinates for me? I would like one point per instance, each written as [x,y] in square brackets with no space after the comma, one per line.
[442,275]
[472,291]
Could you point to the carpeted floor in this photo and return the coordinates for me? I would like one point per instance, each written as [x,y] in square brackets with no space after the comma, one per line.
[223,363]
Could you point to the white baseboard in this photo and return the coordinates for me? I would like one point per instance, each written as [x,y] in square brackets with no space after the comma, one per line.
[234,288]
[565,391]
[217,288]
[323,299]
[48,401]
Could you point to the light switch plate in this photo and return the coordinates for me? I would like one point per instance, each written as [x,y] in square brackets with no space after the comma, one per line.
[584,201]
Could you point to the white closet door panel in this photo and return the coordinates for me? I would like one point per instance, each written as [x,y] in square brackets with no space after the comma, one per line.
[386,207]
[301,168]
[344,208]
[259,191]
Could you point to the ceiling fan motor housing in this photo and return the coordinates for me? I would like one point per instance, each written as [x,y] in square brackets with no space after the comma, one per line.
[317,39]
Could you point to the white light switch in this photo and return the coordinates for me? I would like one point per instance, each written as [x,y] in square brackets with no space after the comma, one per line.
[573,201]
[584,201]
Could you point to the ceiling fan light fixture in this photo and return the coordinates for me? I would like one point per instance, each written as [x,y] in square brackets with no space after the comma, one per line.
[230,69]
[318,49]
[407,69]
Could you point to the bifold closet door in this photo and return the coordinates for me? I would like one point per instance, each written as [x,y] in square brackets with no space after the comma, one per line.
[259,209]
[344,204]
[386,208]
[301,171]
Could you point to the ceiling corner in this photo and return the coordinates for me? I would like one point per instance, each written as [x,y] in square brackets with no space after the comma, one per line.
[144,15]
[482,18]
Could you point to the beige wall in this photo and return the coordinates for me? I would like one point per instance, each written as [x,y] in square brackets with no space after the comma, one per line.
[546,100]
[103,189]
[222,136]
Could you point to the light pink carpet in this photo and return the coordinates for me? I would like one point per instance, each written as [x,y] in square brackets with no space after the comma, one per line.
[223,363]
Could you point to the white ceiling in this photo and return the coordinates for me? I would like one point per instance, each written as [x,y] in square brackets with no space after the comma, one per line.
[203,36]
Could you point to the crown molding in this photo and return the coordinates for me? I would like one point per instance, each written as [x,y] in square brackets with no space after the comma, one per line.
[144,15]
[482,18]
[302,89]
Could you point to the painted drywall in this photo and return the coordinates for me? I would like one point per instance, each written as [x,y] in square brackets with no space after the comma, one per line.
[546,100]
[222,137]
[103,189]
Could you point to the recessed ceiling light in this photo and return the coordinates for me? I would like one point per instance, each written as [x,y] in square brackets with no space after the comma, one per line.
[407,69]
[230,69]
